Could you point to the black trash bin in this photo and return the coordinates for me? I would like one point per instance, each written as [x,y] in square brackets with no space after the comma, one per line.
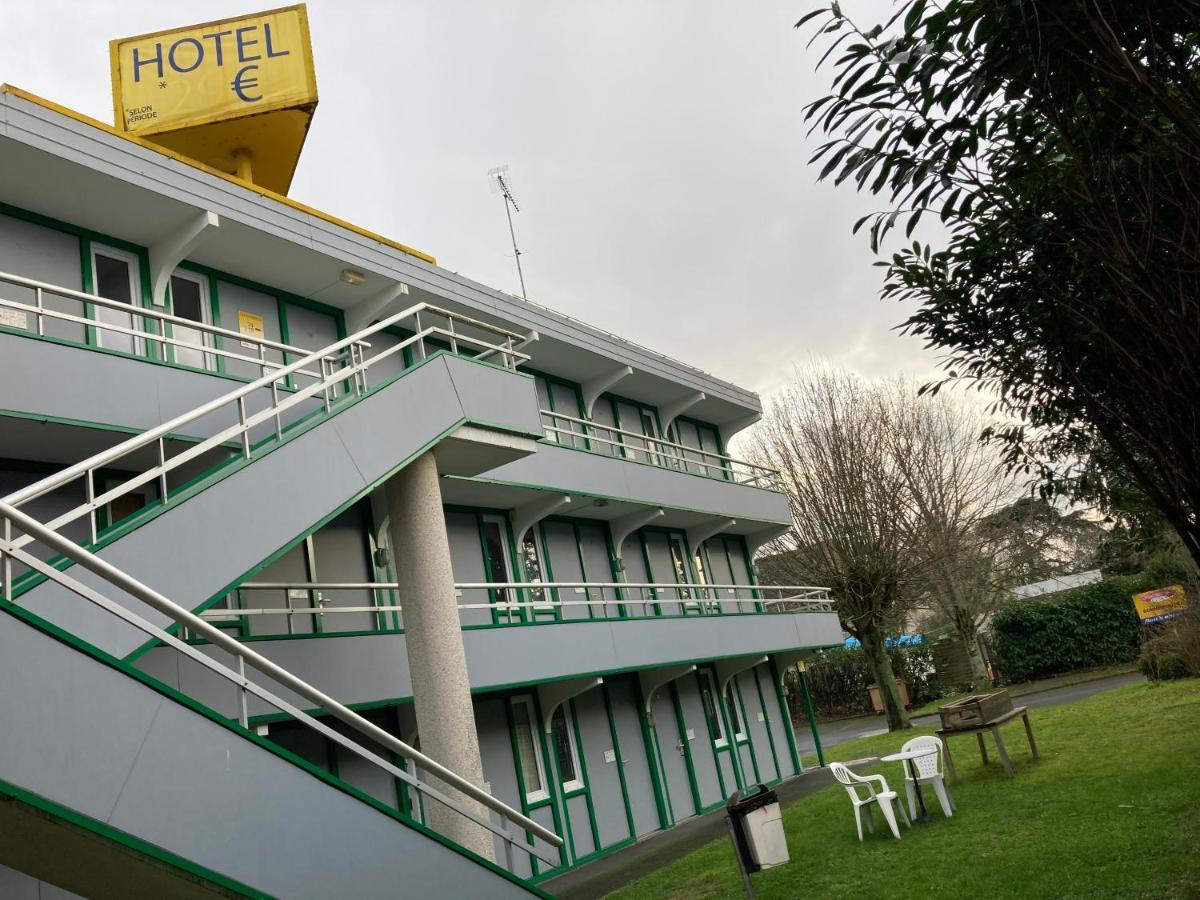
[757,825]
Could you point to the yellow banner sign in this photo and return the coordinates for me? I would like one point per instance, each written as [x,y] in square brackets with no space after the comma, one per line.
[213,72]
[1160,604]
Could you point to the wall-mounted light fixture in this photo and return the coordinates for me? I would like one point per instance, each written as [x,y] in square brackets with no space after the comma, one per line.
[350,276]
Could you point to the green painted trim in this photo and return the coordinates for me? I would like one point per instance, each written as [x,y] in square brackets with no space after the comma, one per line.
[184,700]
[522,792]
[591,807]
[653,758]
[83,423]
[103,829]
[555,789]
[731,743]
[812,716]
[762,704]
[662,768]
[616,742]
[553,784]
[681,724]
[702,674]
[788,730]
[749,741]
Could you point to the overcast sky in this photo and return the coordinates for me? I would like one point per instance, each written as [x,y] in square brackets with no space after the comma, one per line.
[656,149]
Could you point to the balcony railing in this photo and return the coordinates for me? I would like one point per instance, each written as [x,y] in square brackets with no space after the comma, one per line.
[608,440]
[261,412]
[308,605]
[360,735]
[147,327]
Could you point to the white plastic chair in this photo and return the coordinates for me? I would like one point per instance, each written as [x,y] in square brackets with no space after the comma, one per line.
[883,798]
[929,771]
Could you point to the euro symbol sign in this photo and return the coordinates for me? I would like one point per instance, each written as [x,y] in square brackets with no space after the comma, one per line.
[243,82]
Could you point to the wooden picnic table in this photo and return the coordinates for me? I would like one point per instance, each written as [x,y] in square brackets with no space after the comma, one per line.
[994,727]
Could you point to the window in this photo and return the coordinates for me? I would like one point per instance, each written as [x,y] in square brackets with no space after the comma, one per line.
[531,558]
[114,277]
[680,570]
[189,300]
[712,712]
[529,753]
[566,754]
[497,559]
[735,719]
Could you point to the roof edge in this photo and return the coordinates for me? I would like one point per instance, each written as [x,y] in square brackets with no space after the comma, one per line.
[233,179]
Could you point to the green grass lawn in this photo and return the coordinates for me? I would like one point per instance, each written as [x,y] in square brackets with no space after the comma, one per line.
[1112,809]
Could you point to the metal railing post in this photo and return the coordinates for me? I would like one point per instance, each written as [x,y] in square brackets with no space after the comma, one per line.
[275,409]
[162,476]
[243,710]
[241,405]
[41,305]
[8,594]
[89,493]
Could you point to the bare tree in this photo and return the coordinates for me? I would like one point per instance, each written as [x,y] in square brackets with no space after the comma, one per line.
[954,485]
[826,433]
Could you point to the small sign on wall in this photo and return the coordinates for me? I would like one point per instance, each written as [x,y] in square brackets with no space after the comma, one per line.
[761,717]
[13,318]
[610,756]
[251,325]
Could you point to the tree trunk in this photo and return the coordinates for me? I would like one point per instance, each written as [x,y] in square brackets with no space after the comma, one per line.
[965,626]
[881,666]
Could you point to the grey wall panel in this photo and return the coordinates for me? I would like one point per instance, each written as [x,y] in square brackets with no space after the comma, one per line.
[779,722]
[564,560]
[604,777]
[593,546]
[637,600]
[705,759]
[499,768]
[97,387]
[342,556]
[196,548]
[582,842]
[626,705]
[466,557]
[662,571]
[561,468]
[235,299]
[756,723]
[119,752]
[368,668]
[43,255]
[664,726]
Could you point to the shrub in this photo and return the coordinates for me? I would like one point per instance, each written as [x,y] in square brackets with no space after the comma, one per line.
[1172,649]
[839,679]
[1089,626]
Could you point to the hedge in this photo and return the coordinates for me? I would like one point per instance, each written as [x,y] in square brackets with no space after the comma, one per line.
[839,679]
[1082,628]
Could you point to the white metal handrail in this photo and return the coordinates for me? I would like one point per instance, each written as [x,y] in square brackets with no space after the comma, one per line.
[805,597]
[41,312]
[235,402]
[245,656]
[663,453]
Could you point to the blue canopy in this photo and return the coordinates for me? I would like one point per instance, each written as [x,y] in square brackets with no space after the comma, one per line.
[904,640]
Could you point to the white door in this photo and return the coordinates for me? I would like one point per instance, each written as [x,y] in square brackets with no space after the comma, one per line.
[115,277]
[189,300]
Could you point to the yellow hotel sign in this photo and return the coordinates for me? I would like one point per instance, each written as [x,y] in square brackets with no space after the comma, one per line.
[196,89]
[1161,604]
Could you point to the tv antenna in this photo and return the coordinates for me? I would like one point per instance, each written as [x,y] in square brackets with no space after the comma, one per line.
[502,184]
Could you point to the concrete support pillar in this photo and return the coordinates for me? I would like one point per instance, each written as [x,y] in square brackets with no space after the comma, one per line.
[437,660]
